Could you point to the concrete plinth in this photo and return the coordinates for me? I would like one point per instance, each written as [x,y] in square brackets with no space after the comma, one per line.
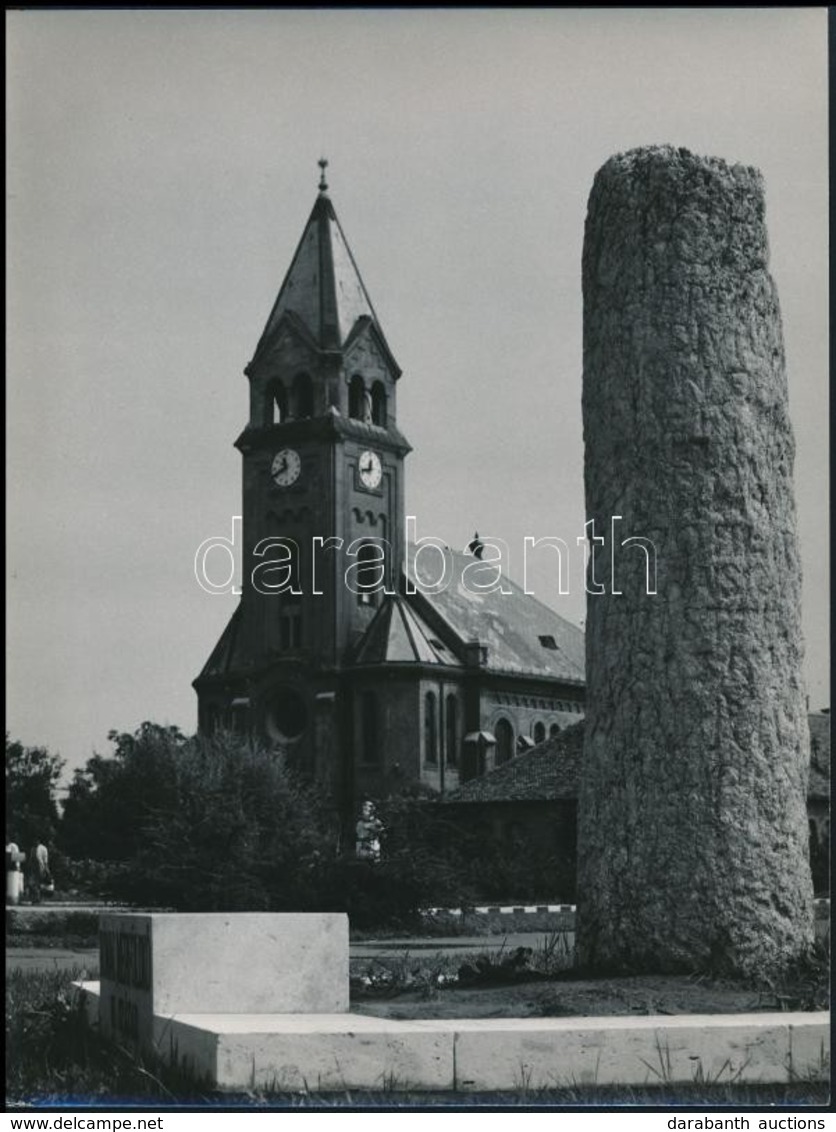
[325,1052]
[162,964]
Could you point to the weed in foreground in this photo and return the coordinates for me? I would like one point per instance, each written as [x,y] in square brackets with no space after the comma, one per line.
[53,1055]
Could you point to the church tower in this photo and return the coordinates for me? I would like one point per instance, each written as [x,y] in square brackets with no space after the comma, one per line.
[370,674]
[323,491]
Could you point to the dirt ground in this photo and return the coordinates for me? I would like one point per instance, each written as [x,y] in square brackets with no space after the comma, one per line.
[636,995]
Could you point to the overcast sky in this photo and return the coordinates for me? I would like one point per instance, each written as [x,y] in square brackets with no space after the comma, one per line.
[162,165]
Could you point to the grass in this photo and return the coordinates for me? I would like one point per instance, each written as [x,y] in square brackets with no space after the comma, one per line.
[53,1059]
[52,1055]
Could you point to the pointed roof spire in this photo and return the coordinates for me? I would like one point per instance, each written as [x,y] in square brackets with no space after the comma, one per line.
[323,288]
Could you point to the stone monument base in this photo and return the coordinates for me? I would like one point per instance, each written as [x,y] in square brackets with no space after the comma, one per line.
[333,1052]
[260,1000]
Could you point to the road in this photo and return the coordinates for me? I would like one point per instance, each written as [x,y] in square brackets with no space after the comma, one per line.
[65,959]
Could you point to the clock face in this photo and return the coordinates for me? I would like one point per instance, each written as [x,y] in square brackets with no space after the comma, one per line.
[371,470]
[286,467]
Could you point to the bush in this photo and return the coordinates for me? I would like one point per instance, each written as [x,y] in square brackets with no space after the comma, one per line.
[240,832]
[206,824]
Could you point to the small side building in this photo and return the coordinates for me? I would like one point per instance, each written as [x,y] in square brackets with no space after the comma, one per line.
[818,800]
[527,808]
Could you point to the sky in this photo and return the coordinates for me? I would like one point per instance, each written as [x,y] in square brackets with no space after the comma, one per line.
[161,168]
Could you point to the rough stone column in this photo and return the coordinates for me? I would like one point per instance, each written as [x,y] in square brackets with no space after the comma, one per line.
[693,821]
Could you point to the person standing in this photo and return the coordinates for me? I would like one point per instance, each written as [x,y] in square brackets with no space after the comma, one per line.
[39,874]
[368,831]
[14,875]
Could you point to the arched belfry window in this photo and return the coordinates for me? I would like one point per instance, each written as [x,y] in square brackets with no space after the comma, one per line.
[504,741]
[430,728]
[554,730]
[276,403]
[357,398]
[451,728]
[379,404]
[539,733]
[302,400]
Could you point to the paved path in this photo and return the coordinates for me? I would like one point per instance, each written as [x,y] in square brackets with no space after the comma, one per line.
[50,959]
[452,945]
[66,959]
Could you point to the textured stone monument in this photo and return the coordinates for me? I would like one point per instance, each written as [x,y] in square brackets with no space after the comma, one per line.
[692,825]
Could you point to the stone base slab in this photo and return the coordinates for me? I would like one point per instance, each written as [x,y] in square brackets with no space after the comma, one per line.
[326,1052]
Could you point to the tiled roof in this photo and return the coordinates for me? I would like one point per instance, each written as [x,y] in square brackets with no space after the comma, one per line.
[552,771]
[548,772]
[322,288]
[224,657]
[397,635]
[522,634]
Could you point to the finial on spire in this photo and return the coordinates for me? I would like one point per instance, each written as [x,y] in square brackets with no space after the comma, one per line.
[323,184]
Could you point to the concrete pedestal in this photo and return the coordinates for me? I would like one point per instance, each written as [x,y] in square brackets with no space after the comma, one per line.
[162,964]
[328,1052]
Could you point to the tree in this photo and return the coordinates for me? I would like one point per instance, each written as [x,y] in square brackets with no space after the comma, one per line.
[110,800]
[32,773]
[202,824]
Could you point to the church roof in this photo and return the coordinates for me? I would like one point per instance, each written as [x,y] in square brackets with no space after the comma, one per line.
[547,772]
[522,635]
[323,288]
[224,657]
[398,635]
[552,770]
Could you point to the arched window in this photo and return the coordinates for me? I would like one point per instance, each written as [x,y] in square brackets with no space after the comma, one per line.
[451,729]
[276,403]
[302,396]
[290,600]
[290,623]
[369,740]
[357,398]
[379,404]
[554,730]
[430,728]
[504,741]
[539,733]
[369,565]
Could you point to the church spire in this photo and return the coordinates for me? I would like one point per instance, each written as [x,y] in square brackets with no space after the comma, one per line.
[323,287]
